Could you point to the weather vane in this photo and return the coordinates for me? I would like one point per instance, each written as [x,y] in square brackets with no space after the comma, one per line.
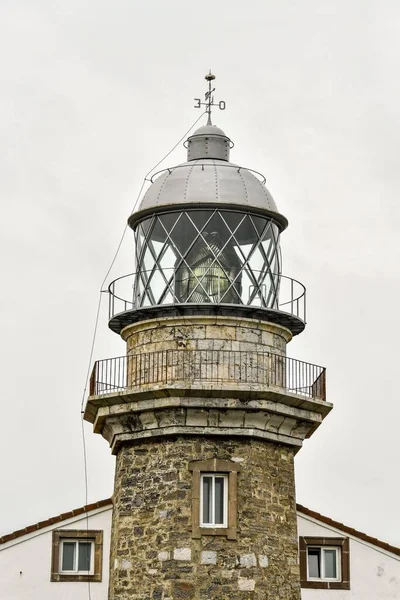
[209,98]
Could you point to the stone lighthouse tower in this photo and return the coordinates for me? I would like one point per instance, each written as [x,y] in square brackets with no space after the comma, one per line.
[206,411]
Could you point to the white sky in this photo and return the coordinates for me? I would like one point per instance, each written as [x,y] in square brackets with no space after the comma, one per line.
[93,93]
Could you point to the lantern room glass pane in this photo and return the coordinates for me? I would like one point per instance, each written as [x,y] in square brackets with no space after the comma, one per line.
[168,221]
[200,217]
[259,224]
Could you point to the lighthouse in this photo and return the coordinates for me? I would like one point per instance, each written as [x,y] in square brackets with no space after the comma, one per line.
[206,411]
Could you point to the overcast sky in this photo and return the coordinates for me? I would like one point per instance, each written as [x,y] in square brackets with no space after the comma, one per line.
[93,93]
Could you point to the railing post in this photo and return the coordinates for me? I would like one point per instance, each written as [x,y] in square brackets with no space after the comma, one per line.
[92,385]
[167,361]
[305,311]
[111,302]
[291,295]
[135,291]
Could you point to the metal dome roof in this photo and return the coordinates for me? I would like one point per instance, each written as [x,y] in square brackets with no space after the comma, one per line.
[208,130]
[210,181]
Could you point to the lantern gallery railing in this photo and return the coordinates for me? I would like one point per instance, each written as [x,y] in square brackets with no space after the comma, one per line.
[169,367]
[277,292]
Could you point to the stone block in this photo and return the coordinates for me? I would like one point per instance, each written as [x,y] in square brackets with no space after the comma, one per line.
[248,334]
[208,344]
[167,418]
[248,560]
[143,337]
[190,332]
[231,418]
[279,342]
[275,422]
[196,417]
[208,557]
[162,334]
[183,590]
[263,561]
[287,426]
[164,555]
[184,554]
[256,419]
[125,564]
[213,418]
[246,585]
[220,332]
[148,420]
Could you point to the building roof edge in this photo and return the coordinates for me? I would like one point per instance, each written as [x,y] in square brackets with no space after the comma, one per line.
[346,529]
[303,510]
[9,537]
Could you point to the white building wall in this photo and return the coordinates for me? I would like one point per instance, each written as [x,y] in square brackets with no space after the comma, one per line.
[374,573]
[25,564]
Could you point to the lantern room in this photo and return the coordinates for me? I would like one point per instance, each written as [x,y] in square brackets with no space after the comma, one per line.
[207,241]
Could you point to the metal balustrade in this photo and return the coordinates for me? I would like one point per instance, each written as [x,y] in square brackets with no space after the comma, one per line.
[173,367]
[278,292]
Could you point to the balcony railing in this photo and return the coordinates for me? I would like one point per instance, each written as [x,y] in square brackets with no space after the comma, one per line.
[262,289]
[174,367]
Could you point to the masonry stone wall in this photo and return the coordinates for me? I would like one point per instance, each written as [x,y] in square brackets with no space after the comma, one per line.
[206,333]
[206,349]
[153,552]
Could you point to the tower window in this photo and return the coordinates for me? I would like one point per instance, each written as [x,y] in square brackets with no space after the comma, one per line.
[76,555]
[214,497]
[324,563]
[213,500]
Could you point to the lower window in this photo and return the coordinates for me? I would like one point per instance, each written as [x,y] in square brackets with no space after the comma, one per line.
[76,555]
[324,563]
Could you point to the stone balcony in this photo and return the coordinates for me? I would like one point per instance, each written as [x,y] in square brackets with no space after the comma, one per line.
[215,392]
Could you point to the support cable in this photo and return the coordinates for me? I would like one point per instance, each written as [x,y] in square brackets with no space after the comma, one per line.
[101,291]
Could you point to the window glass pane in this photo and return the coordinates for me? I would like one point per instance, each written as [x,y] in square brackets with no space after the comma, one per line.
[68,556]
[219,500]
[314,555]
[330,564]
[84,556]
[207,486]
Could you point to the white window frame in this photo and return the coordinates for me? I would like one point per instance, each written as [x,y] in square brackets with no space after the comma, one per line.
[76,541]
[214,525]
[337,550]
